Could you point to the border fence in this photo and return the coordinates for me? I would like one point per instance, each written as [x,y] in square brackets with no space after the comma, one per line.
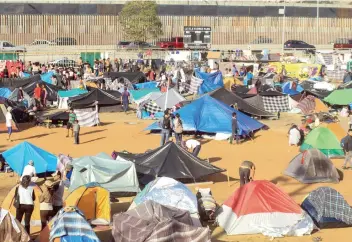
[239,30]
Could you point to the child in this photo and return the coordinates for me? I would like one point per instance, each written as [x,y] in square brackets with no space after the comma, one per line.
[76,129]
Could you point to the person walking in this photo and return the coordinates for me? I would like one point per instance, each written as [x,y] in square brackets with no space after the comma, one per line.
[72,117]
[29,170]
[44,95]
[125,99]
[235,130]
[294,136]
[76,129]
[58,188]
[165,127]
[8,118]
[24,202]
[178,128]
[46,203]
[193,146]
[346,143]
[246,172]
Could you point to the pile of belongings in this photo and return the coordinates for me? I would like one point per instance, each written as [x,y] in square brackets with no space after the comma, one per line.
[207,205]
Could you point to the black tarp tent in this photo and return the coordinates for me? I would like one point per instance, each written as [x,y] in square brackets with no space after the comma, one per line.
[13,83]
[230,98]
[171,160]
[98,97]
[51,89]
[133,77]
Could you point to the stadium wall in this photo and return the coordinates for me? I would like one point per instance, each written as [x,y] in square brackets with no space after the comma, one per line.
[105,29]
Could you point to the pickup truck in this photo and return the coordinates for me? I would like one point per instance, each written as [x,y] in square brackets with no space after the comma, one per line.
[174,43]
[6,46]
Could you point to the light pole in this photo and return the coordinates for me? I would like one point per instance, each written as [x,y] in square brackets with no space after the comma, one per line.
[283,27]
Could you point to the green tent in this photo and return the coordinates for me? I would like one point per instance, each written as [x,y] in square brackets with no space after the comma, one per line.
[324,140]
[340,97]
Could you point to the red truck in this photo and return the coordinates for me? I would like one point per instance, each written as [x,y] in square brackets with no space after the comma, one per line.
[174,43]
[343,43]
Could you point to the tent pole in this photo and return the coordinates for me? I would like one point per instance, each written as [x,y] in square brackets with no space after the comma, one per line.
[228,178]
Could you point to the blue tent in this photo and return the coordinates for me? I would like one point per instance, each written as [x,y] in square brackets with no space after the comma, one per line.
[5,92]
[209,115]
[18,157]
[211,81]
[46,77]
[145,85]
[71,93]
[292,88]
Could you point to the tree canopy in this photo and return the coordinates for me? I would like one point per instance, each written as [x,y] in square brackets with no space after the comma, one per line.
[139,20]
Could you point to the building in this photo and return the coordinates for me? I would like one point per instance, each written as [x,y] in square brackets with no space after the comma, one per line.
[95,22]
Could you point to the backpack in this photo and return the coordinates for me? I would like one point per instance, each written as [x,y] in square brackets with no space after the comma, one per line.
[165,124]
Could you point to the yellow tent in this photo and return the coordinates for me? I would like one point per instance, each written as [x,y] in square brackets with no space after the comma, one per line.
[93,201]
[10,199]
[229,81]
[337,129]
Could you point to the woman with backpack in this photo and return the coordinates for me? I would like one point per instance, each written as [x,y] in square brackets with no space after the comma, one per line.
[178,128]
[24,202]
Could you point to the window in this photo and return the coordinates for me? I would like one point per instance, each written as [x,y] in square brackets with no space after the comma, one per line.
[302,43]
[6,44]
[173,39]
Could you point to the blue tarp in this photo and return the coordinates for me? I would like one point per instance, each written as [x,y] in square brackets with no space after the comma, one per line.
[71,93]
[46,77]
[288,88]
[18,157]
[25,74]
[209,115]
[5,92]
[138,94]
[145,85]
[211,81]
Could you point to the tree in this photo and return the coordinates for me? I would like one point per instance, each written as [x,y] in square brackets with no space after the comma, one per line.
[139,20]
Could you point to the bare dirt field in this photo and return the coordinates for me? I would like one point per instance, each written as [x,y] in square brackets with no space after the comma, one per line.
[269,151]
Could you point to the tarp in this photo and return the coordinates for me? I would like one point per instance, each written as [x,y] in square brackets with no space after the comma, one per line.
[133,77]
[13,96]
[171,98]
[211,81]
[145,85]
[11,230]
[151,221]
[95,97]
[18,82]
[65,95]
[312,166]
[5,92]
[87,117]
[46,77]
[115,176]
[209,115]
[307,105]
[231,98]
[51,89]
[323,139]
[262,207]
[340,97]
[18,157]
[138,94]
[328,208]
[291,88]
[171,160]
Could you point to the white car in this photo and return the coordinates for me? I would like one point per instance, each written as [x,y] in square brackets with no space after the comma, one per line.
[42,42]
[65,62]
[6,46]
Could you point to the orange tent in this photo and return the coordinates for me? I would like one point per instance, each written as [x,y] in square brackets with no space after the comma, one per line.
[10,199]
[320,106]
[337,129]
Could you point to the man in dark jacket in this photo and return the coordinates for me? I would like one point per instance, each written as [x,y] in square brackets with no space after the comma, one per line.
[346,143]
[235,131]
[165,127]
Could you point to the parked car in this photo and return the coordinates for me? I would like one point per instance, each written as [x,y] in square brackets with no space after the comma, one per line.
[42,42]
[297,44]
[342,43]
[174,43]
[65,62]
[64,41]
[262,40]
[133,45]
[6,46]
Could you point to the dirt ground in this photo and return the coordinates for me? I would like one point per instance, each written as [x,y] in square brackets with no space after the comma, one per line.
[269,151]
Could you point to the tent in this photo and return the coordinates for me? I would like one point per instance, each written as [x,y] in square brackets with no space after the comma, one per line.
[115,176]
[262,207]
[168,99]
[312,166]
[231,98]
[14,94]
[171,160]
[7,204]
[151,221]
[151,84]
[5,92]
[307,105]
[65,95]
[291,88]
[133,77]
[95,97]
[340,97]
[323,139]
[69,225]
[211,81]
[328,208]
[51,89]
[10,229]
[169,192]
[93,200]
[18,157]
[4,104]
[320,106]
[139,94]
[19,82]
[209,115]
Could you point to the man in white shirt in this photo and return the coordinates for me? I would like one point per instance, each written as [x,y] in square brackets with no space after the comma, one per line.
[193,146]
[294,136]
[29,170]
[8,117]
